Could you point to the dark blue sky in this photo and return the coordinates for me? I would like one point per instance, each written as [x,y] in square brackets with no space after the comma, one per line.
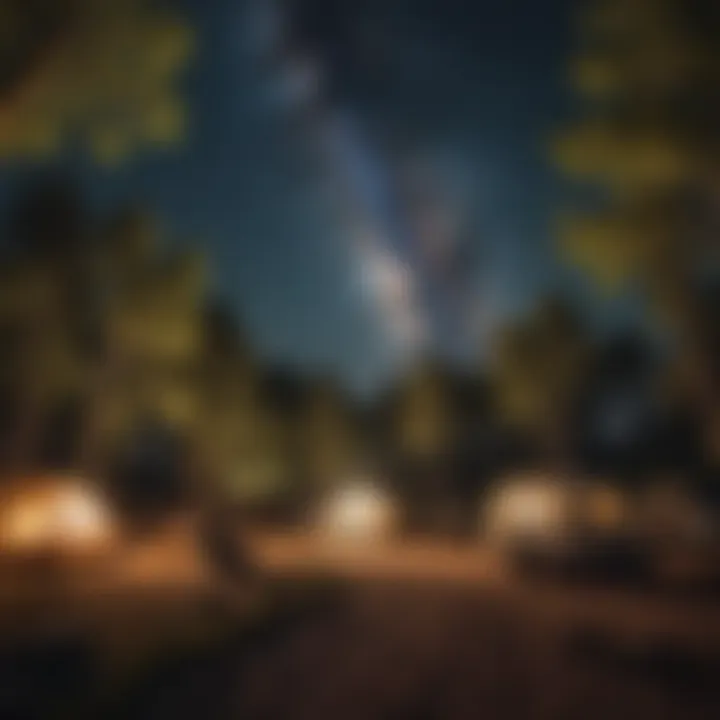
[479,81]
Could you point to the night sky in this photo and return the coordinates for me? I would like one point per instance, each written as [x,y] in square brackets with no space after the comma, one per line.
[474,88]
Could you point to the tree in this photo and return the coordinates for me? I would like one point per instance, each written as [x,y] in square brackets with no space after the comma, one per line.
[536,372]
[619,408]
[102,71]
[425,435]
[240,438]
[148,329]
[116,326]
[41,314]
[285,396]
[424,421]
[40,363]
[330,444]
[649,71]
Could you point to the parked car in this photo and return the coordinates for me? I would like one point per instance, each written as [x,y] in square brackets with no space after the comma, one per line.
[541,522]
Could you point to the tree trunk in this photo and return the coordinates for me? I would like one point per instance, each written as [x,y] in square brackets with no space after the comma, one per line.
[24,439]
[698,377]
[23,447]
[102,377]
[558,446]
[90,456]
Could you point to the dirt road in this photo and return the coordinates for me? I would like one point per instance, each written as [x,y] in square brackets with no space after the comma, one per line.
[416,650]
[422,630]
[634,613]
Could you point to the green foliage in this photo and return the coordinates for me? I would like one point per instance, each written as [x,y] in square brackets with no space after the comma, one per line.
[631,157]
[648,139]
[41,360]
[137,346]
[101,71]
[643,46]
[425,415]
[649,71]
[150,325]
[330,445]
[112,321]
[238,434]
[537,370]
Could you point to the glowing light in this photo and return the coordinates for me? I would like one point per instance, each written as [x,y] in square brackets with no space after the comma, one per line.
[530,508]
[81,516]
[55,517]
[545,509]
[358,512]
[26,526]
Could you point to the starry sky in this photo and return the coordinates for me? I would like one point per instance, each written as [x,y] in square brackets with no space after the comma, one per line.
[472,89]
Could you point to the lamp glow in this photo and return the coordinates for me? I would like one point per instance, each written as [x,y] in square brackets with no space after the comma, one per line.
[359,512]
[55,516]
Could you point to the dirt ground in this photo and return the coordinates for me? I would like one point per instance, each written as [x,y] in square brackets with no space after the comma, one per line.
[415,650]
[420,630]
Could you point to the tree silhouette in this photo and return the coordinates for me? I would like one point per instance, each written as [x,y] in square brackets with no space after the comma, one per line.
[101,71]
[537,371]
[648,72]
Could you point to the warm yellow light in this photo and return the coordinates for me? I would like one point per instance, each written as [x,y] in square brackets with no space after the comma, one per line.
[26,525]
[81,516]
[527,508]
[55,516]
[358,512]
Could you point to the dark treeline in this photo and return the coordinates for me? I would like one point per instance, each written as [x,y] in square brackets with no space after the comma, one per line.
[117,360]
